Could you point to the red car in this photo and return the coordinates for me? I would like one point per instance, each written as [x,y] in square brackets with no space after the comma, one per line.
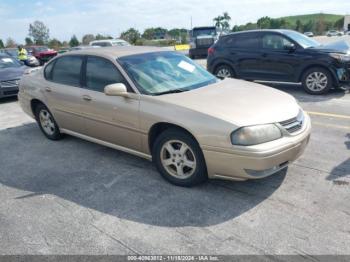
[42,53]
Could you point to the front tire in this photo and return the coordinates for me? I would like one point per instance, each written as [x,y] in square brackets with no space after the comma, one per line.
[224,71]
[47,123]
[317,81]
[179,158]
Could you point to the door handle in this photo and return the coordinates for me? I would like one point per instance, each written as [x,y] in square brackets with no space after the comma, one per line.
[87,98]
[47,89]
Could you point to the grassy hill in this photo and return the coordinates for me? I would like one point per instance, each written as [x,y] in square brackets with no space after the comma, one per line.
[313,17]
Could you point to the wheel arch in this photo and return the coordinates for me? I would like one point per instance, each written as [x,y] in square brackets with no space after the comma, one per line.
[333,74]
[34,103]
[159,128]
[224,62]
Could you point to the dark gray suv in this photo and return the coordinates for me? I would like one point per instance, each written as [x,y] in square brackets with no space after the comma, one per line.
[283,56]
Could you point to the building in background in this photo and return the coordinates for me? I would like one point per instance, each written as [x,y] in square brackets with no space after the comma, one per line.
[347,23]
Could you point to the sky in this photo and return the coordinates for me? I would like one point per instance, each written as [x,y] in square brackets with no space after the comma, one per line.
[67,17]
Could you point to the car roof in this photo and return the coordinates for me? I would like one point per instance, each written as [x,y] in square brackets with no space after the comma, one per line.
[117,51]
[282,31]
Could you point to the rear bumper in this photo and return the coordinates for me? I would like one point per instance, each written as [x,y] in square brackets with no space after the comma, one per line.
[259,162]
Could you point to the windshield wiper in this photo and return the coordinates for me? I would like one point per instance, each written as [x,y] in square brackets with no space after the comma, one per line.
[174,91]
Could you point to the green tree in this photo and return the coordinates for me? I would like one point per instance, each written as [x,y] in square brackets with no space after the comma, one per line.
[264,22]
[131,35]
[1,44]
[339,24]
[10,43]
[55,44]
[39,32]
[87,39]
[299,26]
[103,37]
[28,41]
[73,41]
[223,21]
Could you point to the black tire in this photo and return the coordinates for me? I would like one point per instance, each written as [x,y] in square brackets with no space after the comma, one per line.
[224,68]
[197,175]
[55,133]
[316,90]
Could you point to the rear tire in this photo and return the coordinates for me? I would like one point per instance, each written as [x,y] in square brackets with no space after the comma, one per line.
[317,81]
[47,123]
[224,71]
[179,159]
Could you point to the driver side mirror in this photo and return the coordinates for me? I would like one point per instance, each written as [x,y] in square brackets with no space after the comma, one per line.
[118,89]
[290,47]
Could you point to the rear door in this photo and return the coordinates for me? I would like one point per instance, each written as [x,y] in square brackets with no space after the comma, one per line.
[113,119]
[63,92]
[244,50]
[279,63]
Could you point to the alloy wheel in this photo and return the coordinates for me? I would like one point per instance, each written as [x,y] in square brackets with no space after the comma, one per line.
[316,81]
[47,122]
[178,159]
[223,73]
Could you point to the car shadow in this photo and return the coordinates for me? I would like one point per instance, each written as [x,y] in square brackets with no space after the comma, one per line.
[343,169]
[10,99]
[119,184]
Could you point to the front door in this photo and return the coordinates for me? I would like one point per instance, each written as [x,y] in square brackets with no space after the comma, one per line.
[278,63]
[113,119]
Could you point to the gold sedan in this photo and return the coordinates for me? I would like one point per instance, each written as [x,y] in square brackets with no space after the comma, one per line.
[162,106]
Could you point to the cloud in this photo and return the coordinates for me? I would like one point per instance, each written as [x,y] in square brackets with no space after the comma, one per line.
[68,17]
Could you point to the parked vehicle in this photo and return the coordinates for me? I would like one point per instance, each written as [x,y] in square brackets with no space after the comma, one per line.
[13,52]
[161,105]
[109,42]
[11,71]
[309,34]
[283,56]
[82,47]
[42,53]
[334,33]
[201,39]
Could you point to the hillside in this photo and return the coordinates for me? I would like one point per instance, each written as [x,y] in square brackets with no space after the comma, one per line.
[313,17]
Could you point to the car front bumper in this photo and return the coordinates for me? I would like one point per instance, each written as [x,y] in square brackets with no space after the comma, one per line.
[8,90]
[256,161]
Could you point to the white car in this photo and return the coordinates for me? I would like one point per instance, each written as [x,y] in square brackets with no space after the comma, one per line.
[109,42]
[334,33]
[309,34]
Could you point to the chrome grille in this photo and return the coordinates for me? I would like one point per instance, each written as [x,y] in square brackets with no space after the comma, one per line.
[9,83]
[294,124]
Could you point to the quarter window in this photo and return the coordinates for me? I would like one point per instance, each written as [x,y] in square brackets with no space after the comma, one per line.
[48,70]
[67,70]
[273,41]
[101,72]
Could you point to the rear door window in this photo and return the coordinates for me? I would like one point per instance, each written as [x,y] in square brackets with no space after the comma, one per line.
[67,70]
[244,41]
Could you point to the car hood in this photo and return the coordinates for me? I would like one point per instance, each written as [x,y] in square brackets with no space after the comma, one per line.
[12,73]
[239,102]
[336,47]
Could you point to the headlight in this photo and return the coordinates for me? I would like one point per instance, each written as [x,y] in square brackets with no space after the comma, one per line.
[340,57]
[254,135]
[192,44]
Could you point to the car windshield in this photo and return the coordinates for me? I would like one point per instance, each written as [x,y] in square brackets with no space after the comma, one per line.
[12,52]
[302,40]
[165,72]
[8,62]
[41,49]
[202,32]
